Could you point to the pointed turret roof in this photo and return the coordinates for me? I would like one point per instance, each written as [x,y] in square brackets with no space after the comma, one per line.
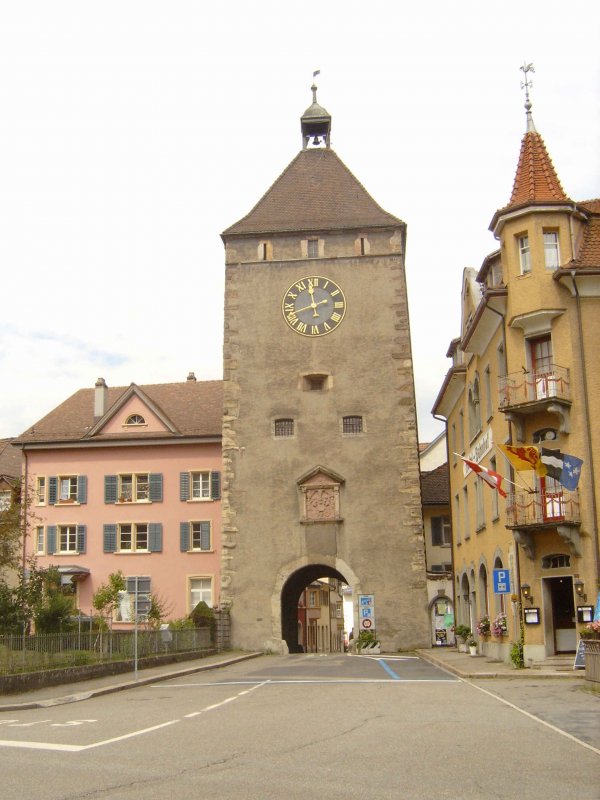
[536,180]
[316,191]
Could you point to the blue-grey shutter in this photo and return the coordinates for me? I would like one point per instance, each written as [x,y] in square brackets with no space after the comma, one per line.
[110,538]
[110,488]
[184,535]
[143,594]
[82,489]
[155,537]
[51,539]
[81,538]
[156,487]
[184,485]
[215,485]
[205,535]
[52,490]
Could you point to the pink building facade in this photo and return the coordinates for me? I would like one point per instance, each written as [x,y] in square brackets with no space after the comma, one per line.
[129,479]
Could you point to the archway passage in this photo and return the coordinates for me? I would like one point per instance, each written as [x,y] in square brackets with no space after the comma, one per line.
[290,595]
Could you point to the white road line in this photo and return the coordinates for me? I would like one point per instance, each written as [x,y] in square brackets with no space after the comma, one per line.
[533,717]
[331,681]
[129,735]
[68,748]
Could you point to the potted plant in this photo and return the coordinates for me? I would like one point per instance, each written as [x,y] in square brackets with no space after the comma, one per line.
[499,625]
[368,643]
[472,645]
[591,637]
[462,633]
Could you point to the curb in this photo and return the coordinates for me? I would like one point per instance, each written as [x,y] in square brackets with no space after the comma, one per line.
[517,673]
[119,687]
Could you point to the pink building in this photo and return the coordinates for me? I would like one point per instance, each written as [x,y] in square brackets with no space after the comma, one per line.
[129,479]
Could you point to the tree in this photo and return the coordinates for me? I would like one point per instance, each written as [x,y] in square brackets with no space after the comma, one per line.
[10,531]
[106,597]
[38,597]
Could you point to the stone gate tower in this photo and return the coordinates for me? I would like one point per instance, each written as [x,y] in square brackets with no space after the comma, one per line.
[320,461]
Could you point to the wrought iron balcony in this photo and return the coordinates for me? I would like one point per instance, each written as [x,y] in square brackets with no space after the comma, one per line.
[518,388]
[528,514]
[526,392]
[542,509]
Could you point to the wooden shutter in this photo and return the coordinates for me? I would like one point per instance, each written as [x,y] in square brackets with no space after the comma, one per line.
[215,485]
[51,539]
[110,538]
[82,489]
[184,534]
[81,538]
[110,488]
[155,537]
[156,487]
[184,485]
[52,490]
[205,535]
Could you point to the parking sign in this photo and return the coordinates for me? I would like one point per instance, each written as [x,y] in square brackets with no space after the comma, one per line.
[501,581]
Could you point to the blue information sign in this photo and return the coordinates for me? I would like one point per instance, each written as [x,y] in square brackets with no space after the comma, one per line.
[501,581]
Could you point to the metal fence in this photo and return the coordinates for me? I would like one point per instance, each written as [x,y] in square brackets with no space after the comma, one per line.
[29,653]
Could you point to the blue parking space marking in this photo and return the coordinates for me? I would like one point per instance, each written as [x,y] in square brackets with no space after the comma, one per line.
[389,670]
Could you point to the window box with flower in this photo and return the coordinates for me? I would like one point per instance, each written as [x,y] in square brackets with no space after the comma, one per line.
[484,626]
[500,625]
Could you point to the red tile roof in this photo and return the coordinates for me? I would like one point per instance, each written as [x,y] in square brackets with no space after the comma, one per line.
[588,255]
[434,487]
[195,409]
[10,459]
[536,179]
[315,192]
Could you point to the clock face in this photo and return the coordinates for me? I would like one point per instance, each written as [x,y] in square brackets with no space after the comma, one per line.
[314,306]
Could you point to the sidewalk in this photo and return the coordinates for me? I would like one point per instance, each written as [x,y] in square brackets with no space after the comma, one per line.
[481,666]
[95,687]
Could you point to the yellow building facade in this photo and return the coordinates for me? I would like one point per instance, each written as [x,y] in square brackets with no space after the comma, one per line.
[525,377]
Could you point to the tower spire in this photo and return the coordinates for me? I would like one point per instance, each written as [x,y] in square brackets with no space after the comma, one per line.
[527,84]
[315,123]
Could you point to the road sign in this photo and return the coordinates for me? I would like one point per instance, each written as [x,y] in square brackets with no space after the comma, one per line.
[366,611]
[501,581]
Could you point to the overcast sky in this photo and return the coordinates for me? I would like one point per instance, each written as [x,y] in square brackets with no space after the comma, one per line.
[133,133]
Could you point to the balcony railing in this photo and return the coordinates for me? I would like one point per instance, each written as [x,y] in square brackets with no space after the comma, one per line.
[519,388]
[542,508]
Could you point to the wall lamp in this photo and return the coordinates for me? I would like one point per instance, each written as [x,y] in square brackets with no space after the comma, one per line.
[526,592]
[579,589]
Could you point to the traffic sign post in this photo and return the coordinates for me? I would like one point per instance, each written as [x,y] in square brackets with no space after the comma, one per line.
[366,612]
[501,581]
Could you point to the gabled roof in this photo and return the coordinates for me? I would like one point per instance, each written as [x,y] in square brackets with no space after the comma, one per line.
[588,254]
[315,192]
[10,459]
[193,408]
[434,487]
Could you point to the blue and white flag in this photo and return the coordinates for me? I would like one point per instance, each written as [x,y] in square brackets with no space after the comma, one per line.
[571,471]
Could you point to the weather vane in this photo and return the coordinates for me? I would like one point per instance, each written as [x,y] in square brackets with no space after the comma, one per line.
[314,86]
[527,84]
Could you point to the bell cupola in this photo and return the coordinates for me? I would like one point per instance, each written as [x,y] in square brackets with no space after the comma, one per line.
[315,123]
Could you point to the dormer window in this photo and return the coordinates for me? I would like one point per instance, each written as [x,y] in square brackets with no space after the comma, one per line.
[135,419]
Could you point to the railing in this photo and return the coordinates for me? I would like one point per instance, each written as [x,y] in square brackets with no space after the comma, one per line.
[542,508]
[29,653]
[517,388]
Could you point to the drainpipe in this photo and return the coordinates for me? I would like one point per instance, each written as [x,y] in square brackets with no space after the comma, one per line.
[586,411]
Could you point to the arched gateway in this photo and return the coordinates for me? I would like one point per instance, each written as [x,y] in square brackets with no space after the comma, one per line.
[320,461]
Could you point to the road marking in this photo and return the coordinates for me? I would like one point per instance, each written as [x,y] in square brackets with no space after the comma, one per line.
[389,670]
[129,735]
[533,717]
[72,722]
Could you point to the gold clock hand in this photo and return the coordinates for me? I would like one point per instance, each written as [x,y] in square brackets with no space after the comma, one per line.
[312,305]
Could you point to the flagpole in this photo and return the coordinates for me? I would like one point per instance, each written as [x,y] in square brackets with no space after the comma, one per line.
[529,491]
[518,485]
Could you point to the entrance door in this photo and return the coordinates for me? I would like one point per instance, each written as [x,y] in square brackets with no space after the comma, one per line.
[563,614]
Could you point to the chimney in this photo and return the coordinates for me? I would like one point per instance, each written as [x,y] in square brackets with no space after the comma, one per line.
[100,398]
[191,377]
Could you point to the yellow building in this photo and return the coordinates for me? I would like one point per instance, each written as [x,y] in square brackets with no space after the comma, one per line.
[525,374]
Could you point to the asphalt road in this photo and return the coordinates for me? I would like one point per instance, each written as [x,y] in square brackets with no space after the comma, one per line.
[304,725]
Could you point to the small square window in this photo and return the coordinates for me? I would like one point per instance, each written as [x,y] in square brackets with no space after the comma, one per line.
[312,248]
[352,424]
[284,427]
[315,383]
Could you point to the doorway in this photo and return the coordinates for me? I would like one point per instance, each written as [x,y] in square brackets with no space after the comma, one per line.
[290,612]
[563,614]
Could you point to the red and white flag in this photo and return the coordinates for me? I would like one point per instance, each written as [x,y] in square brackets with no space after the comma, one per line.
[488,475]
